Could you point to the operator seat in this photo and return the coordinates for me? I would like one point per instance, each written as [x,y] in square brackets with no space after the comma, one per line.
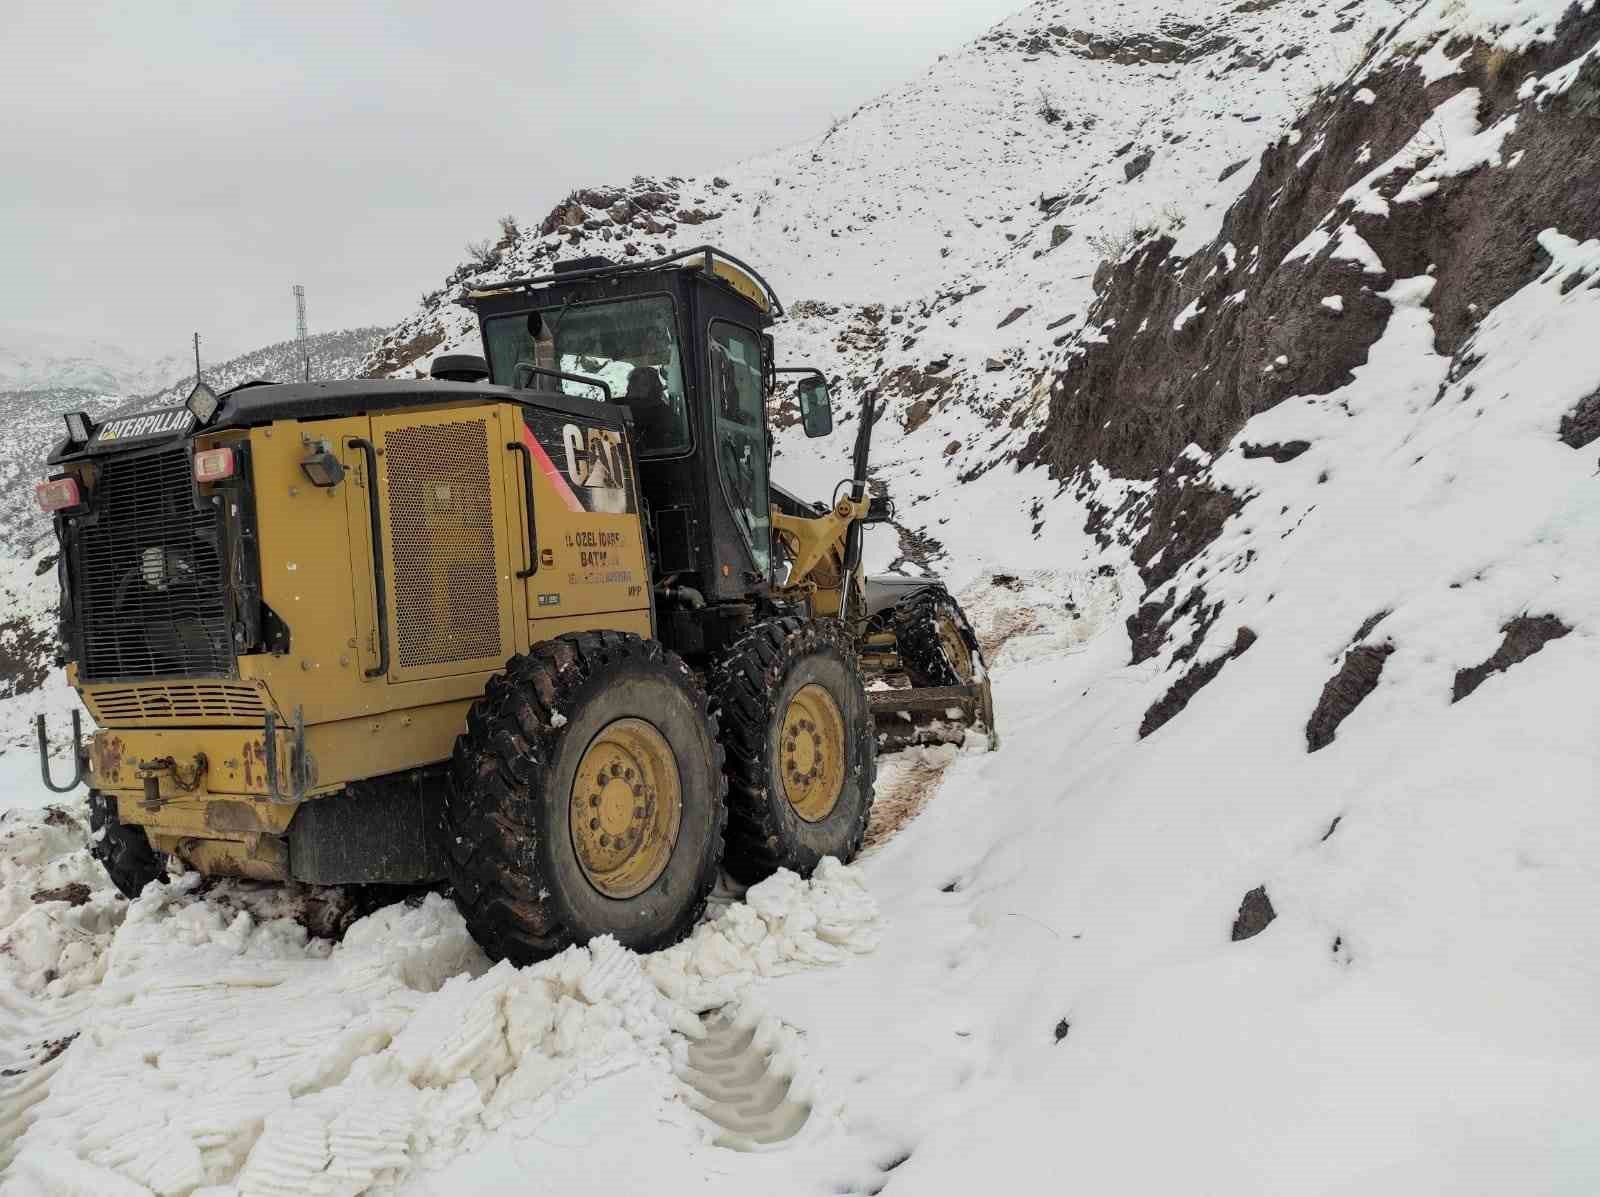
[646,397]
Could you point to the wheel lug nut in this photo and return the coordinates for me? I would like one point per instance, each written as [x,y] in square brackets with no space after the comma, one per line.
[594,824]
[605,840]
[638,812]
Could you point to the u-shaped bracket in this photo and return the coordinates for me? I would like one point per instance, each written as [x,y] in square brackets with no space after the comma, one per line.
[77,756]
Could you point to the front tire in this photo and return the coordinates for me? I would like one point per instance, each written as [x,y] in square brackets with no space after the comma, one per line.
[802,754]
[586,798]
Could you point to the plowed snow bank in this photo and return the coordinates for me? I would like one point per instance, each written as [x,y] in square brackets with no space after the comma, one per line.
[223,1048]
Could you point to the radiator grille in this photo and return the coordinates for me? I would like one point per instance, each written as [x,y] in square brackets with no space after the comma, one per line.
[150,596]
[181,703]
[446,586]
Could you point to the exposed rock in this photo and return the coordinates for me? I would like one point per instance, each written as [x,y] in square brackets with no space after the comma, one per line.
[1255,914]
[1132,170]
[1344,692]
[1133,392]
[1059,235]
[1285,452]
[1014,314]
[1581,425]
[74,893]
[1524,636]
[1232,169]
[1190,684]
[389,357]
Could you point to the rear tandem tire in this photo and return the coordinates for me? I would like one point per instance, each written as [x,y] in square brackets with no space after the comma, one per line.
[542,856]
[123,851]
[802,750]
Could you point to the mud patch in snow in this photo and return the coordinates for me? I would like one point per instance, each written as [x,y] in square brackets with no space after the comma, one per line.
[1023,615]
[907,782]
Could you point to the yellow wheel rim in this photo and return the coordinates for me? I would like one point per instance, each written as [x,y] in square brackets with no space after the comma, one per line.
[627,804]
[954,646]
[811,753]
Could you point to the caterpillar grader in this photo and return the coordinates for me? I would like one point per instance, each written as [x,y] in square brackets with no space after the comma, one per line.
[537,626]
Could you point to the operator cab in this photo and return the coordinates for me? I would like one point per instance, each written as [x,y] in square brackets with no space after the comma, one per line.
[659,334]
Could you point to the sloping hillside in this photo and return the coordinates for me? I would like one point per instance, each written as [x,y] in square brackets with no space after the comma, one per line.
[336,354]
[1288,563]
[941,242]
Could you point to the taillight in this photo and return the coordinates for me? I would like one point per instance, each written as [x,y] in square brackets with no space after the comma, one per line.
[58,494]
[213,465]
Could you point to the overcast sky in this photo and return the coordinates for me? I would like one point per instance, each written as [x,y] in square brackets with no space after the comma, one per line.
[167,167]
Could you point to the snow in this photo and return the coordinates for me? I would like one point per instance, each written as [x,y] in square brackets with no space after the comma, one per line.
[1334,303]
[1351,246]
[396,1049]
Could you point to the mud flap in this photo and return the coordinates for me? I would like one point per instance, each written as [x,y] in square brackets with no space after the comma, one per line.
[932,715]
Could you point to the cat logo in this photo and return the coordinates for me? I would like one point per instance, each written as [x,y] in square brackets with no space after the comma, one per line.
[594,462]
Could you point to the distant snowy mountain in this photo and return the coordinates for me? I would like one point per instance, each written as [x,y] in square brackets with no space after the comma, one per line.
[30,419]
[34,361]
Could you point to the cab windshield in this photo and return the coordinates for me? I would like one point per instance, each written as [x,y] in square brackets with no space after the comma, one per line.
[629,344]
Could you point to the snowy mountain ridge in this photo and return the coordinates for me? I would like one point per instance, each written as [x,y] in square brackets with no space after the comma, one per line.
[30,419]
[33,360]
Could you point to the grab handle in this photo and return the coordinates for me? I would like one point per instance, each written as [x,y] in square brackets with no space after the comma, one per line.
[527,497]
[379,584]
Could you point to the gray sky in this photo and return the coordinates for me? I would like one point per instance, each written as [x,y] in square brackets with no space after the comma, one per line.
[168,167]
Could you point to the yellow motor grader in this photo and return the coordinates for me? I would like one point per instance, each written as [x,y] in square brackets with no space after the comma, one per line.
[536,626]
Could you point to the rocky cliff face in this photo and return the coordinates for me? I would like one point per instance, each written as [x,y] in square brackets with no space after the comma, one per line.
[1440,157]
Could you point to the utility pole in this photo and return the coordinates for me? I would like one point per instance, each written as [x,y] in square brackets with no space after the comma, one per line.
[300,328]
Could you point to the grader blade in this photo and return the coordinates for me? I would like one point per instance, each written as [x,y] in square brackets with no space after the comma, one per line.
[932,715]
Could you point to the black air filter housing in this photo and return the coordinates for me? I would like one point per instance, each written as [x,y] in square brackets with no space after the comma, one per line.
[459,367]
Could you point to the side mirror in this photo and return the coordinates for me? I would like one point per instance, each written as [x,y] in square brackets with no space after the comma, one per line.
[880,510]
[816,406]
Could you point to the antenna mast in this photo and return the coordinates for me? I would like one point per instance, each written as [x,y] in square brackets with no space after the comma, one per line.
[300,336]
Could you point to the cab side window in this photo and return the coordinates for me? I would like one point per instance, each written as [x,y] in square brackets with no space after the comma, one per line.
[738,405]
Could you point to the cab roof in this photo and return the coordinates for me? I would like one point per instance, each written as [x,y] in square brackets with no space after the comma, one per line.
[716,263]
[256,403]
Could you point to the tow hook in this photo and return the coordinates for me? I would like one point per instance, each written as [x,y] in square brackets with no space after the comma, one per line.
[150,772]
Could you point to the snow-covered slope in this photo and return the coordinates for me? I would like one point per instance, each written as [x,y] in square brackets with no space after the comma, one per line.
[1281,880]
[336,354]
[941,241]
